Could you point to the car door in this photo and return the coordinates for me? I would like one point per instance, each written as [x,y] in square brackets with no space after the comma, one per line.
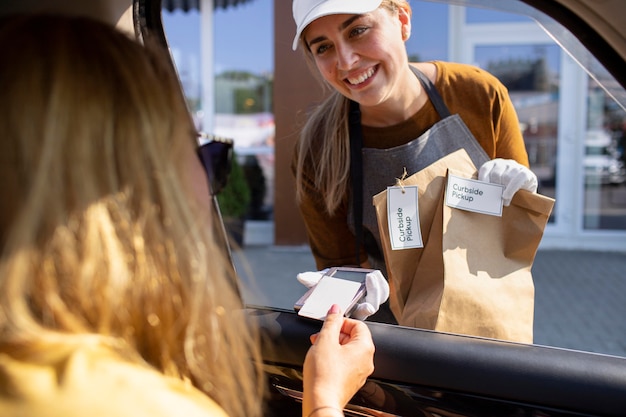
[427,373]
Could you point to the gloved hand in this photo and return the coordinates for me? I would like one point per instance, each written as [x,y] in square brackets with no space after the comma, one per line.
[376,287]
[510,173]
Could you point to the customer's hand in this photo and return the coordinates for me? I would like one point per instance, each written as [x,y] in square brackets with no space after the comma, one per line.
[513,175]
[338,363]
[376,291]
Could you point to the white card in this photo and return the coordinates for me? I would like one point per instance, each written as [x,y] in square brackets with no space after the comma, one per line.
[473,195]
[402,218]
[327,292]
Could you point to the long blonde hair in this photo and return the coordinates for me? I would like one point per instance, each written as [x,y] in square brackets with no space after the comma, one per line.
[324,142]
[101,233]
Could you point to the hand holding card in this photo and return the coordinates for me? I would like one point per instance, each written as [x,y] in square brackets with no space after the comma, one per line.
[329,291]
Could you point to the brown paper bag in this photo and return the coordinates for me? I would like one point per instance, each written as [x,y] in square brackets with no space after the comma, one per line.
[473,275]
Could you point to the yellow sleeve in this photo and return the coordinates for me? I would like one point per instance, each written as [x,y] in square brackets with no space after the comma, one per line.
[93,381]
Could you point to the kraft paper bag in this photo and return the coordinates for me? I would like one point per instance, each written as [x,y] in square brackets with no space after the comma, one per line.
[473,275]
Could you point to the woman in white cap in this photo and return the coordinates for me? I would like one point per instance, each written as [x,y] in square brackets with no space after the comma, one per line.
[381,102]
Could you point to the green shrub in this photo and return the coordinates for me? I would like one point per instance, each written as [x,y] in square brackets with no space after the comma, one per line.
[234,199]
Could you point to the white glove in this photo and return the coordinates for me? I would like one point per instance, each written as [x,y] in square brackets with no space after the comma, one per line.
[311,278]
[376,287]
[513,175]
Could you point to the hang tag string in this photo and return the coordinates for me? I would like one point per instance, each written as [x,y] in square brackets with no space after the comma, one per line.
[400,181]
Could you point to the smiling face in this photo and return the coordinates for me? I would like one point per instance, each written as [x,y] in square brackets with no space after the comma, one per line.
[362,56]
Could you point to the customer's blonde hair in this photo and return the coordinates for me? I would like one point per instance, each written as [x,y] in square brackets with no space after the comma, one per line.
[324,142]
[100,230]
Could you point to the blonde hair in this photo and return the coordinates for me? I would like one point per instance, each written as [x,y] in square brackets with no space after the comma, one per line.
[324,142]
[103,234]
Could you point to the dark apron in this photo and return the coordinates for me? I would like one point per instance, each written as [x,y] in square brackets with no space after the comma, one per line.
[381,167]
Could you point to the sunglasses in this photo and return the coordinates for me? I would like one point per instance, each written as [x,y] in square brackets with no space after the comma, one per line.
[216,155]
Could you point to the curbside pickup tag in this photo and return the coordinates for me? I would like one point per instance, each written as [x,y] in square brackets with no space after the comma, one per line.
[473,195]
[402,217]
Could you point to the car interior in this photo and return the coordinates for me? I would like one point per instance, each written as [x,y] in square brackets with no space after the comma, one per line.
[422,372]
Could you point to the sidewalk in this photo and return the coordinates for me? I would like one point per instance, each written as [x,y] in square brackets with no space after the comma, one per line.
[579,295]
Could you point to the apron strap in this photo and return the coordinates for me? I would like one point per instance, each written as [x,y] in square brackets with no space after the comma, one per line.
[356,156]
[356,173]
[432,92]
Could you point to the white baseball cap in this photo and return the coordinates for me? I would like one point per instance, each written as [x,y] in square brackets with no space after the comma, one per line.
[306,11]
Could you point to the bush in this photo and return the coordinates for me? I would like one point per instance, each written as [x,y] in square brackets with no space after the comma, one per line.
[234,199]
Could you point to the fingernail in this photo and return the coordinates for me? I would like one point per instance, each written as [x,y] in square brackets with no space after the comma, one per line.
[334,309]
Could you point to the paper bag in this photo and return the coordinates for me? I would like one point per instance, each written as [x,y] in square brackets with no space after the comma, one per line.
[473,275]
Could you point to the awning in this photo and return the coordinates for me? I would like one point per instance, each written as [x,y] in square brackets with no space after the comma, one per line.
[186,5]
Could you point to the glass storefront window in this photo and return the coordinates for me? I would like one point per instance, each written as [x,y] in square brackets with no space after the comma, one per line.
[604,159]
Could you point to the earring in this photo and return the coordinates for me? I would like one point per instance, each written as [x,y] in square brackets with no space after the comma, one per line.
[405,34]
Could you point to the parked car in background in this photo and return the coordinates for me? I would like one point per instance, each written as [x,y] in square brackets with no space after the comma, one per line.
[602,160]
